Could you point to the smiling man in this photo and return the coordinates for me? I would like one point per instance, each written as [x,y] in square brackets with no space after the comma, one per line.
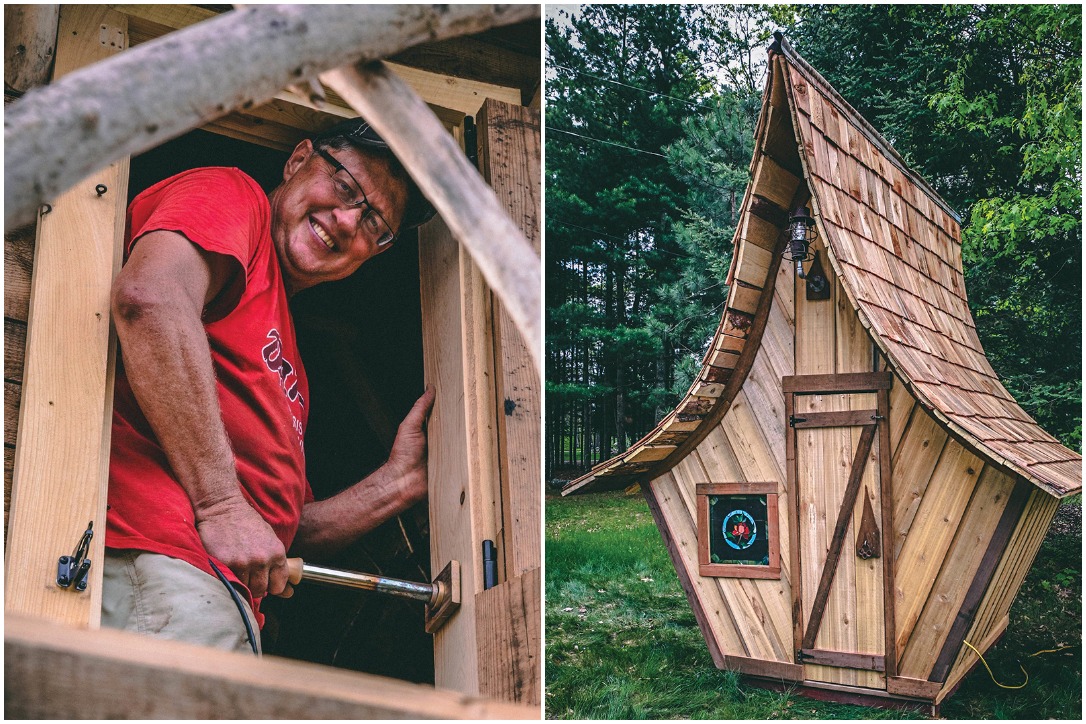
[207,487]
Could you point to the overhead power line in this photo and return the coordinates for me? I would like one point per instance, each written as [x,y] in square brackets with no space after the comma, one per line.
[600,140]
[633,87]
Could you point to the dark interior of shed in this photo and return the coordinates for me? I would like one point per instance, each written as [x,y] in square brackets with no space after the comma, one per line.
[361,344]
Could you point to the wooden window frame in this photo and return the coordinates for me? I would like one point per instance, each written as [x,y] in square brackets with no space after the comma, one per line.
[736,570]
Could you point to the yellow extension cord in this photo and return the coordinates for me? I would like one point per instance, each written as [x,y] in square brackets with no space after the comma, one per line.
[1023,684]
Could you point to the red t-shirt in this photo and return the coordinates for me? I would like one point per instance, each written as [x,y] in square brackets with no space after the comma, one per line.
[262,387]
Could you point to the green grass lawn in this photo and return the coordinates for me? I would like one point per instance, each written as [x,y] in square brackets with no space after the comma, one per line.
[622,641]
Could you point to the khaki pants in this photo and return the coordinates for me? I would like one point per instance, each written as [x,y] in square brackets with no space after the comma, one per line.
[161,596]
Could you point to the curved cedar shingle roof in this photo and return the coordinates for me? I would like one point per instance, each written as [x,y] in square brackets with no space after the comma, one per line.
[896,247]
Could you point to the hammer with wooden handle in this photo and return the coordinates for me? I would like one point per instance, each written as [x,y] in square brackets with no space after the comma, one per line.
[442,597]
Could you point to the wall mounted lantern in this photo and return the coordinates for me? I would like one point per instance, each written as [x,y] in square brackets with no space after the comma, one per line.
[801,232]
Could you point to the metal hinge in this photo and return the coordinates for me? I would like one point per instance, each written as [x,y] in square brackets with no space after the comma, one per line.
[471,141]
[793,420]
[72,570]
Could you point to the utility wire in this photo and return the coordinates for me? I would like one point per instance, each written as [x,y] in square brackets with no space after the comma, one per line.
[633,87]
[609,143]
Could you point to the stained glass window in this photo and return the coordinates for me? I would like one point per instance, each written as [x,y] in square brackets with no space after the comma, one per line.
[738,530]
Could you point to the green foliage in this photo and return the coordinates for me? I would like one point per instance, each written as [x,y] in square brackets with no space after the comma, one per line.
[640,205]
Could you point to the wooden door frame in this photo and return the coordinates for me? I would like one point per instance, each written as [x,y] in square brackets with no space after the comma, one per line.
[878,383]
[484,433]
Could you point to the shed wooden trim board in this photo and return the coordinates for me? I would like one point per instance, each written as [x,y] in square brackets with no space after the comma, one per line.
[61,672]
[895,244]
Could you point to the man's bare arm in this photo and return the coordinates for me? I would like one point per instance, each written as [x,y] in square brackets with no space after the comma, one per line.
[157,301]
[330,525]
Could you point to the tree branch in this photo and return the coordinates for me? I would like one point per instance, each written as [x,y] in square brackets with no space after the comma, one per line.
[56,135]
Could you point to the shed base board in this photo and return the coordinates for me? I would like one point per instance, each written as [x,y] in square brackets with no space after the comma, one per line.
[845,695]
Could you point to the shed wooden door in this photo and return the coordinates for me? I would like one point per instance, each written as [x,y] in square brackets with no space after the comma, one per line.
[838,425]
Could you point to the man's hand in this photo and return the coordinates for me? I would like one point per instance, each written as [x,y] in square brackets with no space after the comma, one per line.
[407,461]
[330,525]
[234,533]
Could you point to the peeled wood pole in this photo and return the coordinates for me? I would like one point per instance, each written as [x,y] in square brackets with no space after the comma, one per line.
[439,167]
[30,43]
[56,135]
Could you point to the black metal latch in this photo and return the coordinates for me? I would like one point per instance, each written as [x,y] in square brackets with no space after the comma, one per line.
[73,569]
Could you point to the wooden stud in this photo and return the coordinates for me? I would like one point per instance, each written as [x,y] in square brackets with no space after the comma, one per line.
[62,456]
[798,620]
[913,688]
[761,233]
[649,453]
[454,497]
[753,265]
[509,156]
[889,565]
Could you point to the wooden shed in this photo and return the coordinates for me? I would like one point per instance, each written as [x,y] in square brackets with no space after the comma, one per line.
[847,492]
[457,98]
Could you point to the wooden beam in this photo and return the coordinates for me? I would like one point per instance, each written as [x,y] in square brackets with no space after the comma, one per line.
[847,382]
[30,41]
[843,659]
[60,133]
[461,504]
[842,418]
[57,672]
[459,94]
[889,557]
[764,669]
[62,454]
[914,688]
[440,168]
[509,158]
[474,59]
[444,73]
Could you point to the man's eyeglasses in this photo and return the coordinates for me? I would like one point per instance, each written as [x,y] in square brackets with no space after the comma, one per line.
[372,224]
